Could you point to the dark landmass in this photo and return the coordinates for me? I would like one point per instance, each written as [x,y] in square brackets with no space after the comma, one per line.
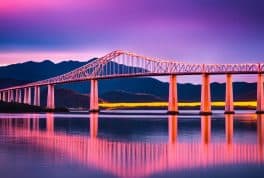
[25,108]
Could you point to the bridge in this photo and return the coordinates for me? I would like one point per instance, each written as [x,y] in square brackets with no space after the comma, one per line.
[120,64]
[138,159]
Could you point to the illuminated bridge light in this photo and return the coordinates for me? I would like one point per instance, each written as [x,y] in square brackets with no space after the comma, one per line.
[181,104]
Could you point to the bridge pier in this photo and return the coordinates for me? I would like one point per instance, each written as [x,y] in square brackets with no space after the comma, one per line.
[8,96]
[19,96]
[173,96]
[260,95]
[229,100]
[0,96]
[205,95]
[11,96]
[16,96]
[37,96]
[27,95]
[94,107]
[50,97]
[4,96]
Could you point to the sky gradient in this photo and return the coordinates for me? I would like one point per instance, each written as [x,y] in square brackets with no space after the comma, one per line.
[199,31]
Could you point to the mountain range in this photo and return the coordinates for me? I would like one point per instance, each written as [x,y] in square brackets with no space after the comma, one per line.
[115,90]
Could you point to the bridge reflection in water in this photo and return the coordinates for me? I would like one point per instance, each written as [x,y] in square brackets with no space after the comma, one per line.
[138,159]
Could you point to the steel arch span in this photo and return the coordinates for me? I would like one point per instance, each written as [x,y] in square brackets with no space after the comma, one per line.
[118,64]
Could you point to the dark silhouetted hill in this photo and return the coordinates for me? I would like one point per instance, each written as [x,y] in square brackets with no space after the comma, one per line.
[33,71]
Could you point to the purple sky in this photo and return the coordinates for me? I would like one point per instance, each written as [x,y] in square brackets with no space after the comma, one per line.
[200,31]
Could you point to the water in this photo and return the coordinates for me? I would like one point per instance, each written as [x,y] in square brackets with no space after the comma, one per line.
[139,145]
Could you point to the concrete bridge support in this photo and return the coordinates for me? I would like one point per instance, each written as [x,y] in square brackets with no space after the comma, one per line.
[94,106]
[260,95]
[16,96]
[27,95]
[8,96]
[37,96]
[11,96]
[205,95]
[229,99]
[173,96]
[20,96]
[0,96]
[50,97]
[4,96]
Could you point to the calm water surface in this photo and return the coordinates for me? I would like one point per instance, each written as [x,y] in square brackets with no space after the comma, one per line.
[140,145]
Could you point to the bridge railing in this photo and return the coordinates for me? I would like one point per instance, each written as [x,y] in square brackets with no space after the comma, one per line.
[233,68]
